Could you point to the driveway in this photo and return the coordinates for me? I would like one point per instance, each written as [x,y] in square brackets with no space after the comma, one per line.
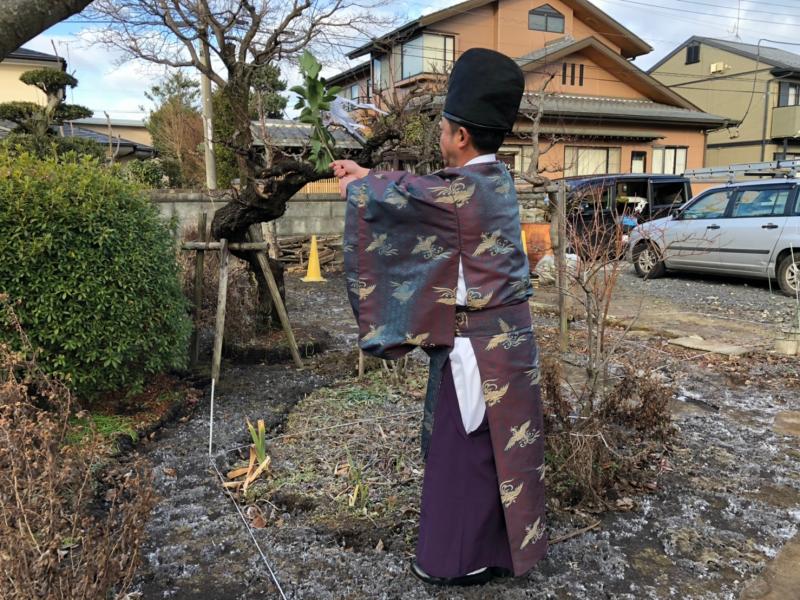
[731,311]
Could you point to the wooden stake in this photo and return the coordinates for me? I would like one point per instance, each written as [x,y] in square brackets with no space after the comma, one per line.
[194,353]
[561,267]
[222,297]
[254,234]
[360,363]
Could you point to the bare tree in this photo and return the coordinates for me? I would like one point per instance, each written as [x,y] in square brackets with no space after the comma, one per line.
[229,41]
[23,20]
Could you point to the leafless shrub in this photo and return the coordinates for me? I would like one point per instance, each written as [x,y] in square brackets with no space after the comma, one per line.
[64,533]
[592,460]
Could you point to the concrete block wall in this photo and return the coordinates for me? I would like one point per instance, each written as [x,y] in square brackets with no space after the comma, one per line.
[319,214]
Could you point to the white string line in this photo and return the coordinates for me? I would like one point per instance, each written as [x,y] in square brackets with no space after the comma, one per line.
[250,531]
[232,499]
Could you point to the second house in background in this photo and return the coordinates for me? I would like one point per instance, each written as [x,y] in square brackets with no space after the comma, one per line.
[602,113]
[757,85]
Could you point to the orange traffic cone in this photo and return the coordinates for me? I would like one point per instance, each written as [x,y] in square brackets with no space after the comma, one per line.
[313,274]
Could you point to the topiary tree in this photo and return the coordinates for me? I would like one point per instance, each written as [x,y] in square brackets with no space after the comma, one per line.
[94,270]
[34,129]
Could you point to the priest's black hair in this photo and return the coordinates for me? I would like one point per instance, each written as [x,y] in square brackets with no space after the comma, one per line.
[485,141]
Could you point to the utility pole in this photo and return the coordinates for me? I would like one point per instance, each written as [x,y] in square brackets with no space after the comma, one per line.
[208,119]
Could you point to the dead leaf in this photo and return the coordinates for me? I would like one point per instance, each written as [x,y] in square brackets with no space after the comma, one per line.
[379,546]
[625,503]
[258,522]
[261,468]
[236,473]
[232,484]
[170,472]
[342,469]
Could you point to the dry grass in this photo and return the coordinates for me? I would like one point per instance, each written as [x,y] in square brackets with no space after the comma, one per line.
[68,530]
[349,461]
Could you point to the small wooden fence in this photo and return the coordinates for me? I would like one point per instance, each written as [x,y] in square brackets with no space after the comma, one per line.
[323,186]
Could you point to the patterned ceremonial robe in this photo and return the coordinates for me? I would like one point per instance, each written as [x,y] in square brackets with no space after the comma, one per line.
[404,235]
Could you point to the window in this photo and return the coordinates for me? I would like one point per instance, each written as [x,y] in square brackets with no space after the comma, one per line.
[638,162]
[568,70]
[427,53]
[380,73]
[789,94]
[670,160]
[590,161]
[692,54]
[412,58]
[354,91]
[760,203]
[711,206]
[546,18]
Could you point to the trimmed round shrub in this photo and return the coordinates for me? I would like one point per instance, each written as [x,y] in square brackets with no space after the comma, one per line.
[94,270]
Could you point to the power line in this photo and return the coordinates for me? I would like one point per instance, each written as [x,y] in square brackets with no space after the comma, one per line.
[694,12]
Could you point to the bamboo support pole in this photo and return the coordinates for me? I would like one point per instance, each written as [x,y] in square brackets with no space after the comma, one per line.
[194,353]
[221,301]
[254,234]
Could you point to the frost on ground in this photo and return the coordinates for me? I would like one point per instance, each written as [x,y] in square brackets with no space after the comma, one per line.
[339,506]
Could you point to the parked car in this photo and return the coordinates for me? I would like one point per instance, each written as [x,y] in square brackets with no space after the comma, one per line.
[603,209]
[746,229]
[644,197]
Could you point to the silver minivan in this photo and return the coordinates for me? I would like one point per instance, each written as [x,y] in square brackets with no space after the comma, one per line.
[746,229]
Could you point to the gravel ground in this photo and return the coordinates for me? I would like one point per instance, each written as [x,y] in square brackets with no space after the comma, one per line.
[728,504]
[747,299]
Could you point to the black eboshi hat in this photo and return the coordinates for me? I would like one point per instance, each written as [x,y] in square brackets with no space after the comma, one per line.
[484,90]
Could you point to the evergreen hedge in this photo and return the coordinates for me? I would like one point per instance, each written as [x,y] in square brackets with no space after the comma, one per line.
[94,270]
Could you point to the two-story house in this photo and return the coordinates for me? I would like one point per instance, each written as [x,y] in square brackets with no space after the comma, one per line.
[601,113]
[756,84]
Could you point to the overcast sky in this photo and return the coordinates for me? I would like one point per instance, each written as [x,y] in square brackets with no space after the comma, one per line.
[664,24]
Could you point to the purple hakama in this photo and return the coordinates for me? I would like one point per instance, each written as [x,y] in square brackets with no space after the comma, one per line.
[462,525]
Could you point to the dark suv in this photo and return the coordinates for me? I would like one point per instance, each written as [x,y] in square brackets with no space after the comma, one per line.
[602,210]
[635,197]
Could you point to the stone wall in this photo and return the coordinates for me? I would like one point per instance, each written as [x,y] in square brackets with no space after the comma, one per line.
[533,207]
[322,214]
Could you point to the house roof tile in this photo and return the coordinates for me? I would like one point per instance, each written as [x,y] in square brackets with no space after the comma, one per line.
[619,109]
[26,54]
[294,134]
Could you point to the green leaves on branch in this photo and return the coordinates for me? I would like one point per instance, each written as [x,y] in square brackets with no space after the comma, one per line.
[314,98]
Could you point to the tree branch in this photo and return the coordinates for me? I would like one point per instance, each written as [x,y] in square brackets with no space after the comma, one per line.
[23,20]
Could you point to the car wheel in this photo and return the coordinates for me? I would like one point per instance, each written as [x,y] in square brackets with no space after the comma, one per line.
[647,262]
[789,274]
